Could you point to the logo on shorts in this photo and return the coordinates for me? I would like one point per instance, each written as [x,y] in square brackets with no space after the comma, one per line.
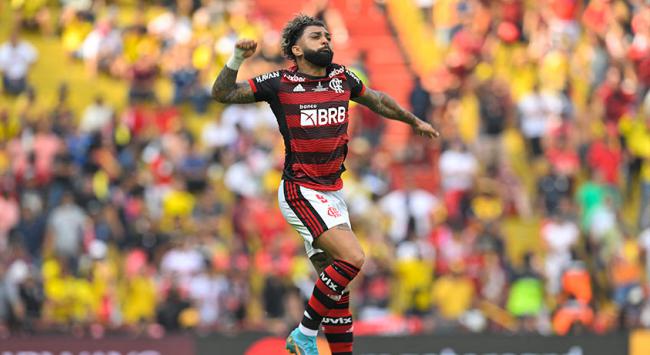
[333,212]
[321,198]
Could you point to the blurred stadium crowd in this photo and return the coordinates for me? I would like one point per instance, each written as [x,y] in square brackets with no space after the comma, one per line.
[129,218]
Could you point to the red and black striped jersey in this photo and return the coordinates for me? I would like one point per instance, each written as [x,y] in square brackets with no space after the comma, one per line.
[312,114]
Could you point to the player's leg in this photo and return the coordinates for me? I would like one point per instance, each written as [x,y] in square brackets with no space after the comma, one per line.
[344,248]
[321,216]
[329,302]
[338,324]
[293,210]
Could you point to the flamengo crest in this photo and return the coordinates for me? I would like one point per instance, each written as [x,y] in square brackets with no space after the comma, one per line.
[336,84]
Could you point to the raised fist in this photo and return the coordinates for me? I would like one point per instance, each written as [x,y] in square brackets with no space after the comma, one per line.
[245,47]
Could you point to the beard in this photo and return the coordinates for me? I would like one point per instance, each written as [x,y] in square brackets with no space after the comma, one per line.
[321,58]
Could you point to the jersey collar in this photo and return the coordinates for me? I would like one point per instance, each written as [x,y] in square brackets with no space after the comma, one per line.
[328,71]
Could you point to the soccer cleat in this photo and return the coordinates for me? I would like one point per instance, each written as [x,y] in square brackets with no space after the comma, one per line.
[301,344]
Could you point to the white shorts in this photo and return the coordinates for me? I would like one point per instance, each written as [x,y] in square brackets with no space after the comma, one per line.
[311,212]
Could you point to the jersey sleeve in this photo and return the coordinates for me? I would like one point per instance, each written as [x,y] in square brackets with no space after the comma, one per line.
[356,85]
[265,87]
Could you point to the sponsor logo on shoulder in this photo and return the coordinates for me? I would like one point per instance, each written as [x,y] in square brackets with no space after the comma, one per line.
[294,78]
[353,75]
[298,88]
[336,84]
[319,88]
[336,72]
[264,77]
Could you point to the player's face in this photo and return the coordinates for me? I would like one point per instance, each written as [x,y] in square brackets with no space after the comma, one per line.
[315,38]
[314,46]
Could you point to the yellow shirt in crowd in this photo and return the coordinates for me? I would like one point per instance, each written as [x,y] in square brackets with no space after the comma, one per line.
[453,295]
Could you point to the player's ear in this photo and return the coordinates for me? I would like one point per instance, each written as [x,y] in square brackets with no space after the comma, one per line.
[296,50]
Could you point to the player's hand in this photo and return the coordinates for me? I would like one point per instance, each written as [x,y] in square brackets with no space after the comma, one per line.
[245,47]
[425,129]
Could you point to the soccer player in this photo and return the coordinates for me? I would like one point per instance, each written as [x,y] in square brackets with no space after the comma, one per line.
[310,101]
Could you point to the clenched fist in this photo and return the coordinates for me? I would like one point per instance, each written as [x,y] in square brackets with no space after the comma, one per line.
[245,47]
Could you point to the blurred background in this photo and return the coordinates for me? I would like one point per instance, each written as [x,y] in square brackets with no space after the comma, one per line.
[130,203]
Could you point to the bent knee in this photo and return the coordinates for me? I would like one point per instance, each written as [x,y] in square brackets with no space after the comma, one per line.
[357,258]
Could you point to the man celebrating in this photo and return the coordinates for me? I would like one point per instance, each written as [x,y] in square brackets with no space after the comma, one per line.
[310,102]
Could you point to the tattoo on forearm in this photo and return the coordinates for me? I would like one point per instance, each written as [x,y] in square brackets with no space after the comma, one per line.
[225,80]
[394,110]
[384,105]
[226,89]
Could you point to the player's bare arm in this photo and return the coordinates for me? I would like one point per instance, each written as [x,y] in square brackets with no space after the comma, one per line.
[386,106]
[226,89]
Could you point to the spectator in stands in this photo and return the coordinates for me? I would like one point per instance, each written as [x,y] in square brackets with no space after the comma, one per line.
[182,263]
[97,116]
[142,76]
[414,214]
[101,47]
[16,58]
[170,310]
[563,157]
[420,100]
[552,188]
[139,297]
[573,317]
[626,272]
[9,216]
[576,281]
[458,170]
[495,109]
[590,196]
[453,295]
[67,225]
[32,227]
[207,291]
[534,119]
[559,235]
[606,156]
[32,297]
[526,295]
[616,97]
[186,79]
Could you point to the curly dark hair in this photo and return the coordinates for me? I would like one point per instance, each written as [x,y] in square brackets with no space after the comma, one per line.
[294,29]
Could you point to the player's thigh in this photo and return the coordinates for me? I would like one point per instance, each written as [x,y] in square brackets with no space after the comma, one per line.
[319,215]
[341,243]
[293,212]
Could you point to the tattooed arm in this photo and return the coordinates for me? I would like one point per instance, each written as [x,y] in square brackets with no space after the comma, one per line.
[386,106]
[225,88]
